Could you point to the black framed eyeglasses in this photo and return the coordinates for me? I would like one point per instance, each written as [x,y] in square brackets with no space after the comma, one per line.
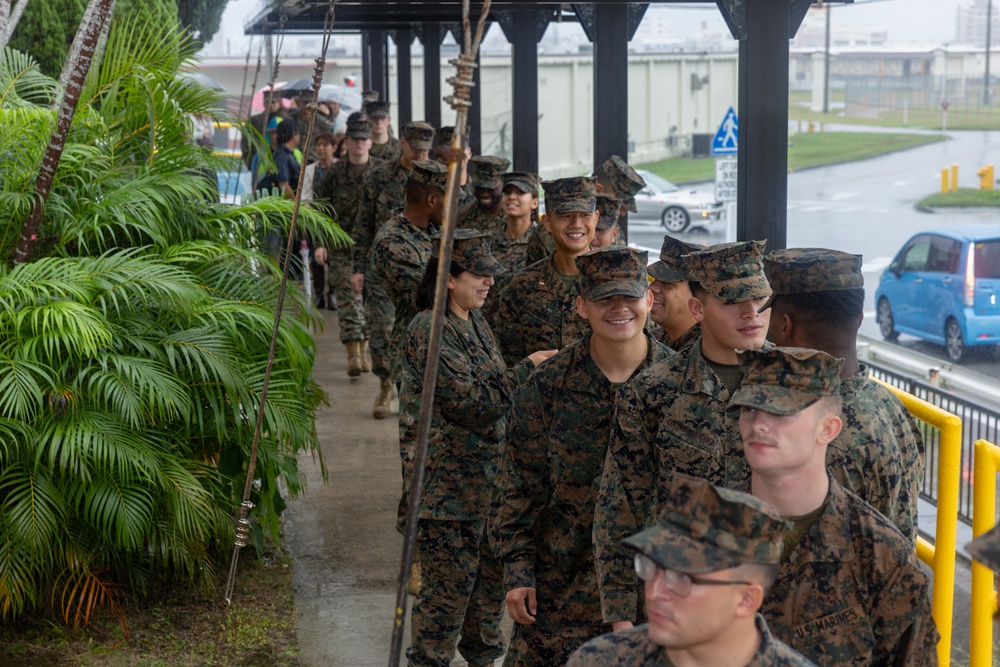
[677,583]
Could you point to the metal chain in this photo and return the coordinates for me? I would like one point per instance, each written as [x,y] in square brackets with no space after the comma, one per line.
[243,523]
[460,101]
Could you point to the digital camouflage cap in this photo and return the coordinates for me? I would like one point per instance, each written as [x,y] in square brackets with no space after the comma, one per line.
[785,380]
[570,195]
[608,209]
[624,179]
[359,129]
[430,172]
[419,135]
[672,268]
[705,528]
[370,96]
[986,548]
[612,271]
[486,171]
[376,109]
[802,270]
[525,181]
[471,250]
[731,272]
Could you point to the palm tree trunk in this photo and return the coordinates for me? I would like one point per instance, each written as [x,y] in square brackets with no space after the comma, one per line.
[4,21]
[73,76]
[15,16]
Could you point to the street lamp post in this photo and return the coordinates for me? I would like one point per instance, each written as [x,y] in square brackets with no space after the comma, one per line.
[826,65]
[989,26]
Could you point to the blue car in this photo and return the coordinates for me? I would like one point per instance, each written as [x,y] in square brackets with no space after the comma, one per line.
[942,287]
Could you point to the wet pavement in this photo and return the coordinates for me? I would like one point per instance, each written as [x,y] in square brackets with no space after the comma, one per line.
[342,534]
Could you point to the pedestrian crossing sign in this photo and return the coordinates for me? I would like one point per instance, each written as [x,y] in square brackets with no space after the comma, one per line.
[725,140]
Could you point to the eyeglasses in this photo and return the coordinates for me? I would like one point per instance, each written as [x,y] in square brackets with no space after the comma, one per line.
[677,583]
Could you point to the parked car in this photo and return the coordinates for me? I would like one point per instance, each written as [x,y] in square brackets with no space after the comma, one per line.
[942,287]
[676,209]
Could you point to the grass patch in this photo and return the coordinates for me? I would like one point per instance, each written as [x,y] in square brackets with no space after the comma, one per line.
[811,149]
[962,198]
[922,118]
[178,630]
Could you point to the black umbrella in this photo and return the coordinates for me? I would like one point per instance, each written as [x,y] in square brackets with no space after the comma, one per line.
[349,98]
[203,79]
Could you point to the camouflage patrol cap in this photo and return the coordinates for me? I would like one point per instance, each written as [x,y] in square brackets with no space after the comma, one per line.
[612,271]
[731,272]
[705,528]
[418,134]
[609,208]
[986,548]
[801,270]
[785,380]
[471,250]
[671,268]
[370,96]
[430,172]
[570,195]
[376,109]
[445,134]
[486,171]
[624,179]
[359,129]
[524,181]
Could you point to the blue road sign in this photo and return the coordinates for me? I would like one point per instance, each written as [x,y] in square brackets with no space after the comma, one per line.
[728,135]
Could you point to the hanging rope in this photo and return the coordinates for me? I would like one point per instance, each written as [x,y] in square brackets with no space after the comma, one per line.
[460,101]
[245,116]
[243,523]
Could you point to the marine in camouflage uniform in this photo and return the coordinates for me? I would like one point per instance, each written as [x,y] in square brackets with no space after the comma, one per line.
[672,418]
[342,186]
[384,194]
[461,594]
[703,530]
[607,232]
[486,184]
[509,246]
[671,294]
[621,181]
[537,311]
[390,150]
[401,250]
[441,151]
[818,302]
[547,484]
[850,591]
[986,548]
[540,245]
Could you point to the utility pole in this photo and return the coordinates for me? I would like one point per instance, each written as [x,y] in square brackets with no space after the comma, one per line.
[989,26]
[826,64]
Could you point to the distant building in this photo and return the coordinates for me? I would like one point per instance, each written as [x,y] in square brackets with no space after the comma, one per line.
[812,33]
[970,23]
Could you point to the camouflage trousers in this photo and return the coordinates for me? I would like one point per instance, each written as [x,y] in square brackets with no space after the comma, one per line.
[461,596]
[350,305]
[379,315]
[549,646]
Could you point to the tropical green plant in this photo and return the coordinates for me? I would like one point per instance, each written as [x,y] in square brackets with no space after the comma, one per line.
[133,345]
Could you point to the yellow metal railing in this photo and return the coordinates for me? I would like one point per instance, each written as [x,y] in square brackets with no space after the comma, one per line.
[984,512]
[940,556]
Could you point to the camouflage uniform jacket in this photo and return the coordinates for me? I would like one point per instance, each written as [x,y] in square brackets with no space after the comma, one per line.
[632,648]
[669,418]
[540,245]
[342,186]
[876,455]
[471,402]
[472,216]
[537,312]
[512,253]
[383,197]
[547,484]
[851,591]
[390,151]
[685,340]
[399,259]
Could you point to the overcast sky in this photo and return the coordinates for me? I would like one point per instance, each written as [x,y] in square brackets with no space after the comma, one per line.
[907,21]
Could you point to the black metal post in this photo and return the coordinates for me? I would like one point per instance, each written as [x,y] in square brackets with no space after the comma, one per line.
[762,196]
[432,73]
[524,66]
[475,118]
[611,85]
[380,63]
[404,77]
[366,60]
[826,64]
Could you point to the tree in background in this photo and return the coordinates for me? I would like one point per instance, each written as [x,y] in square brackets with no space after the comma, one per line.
[47,28]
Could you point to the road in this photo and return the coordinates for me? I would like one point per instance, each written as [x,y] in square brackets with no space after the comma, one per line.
[867,208]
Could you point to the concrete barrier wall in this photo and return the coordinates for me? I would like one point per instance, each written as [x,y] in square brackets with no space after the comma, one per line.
[671,96]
